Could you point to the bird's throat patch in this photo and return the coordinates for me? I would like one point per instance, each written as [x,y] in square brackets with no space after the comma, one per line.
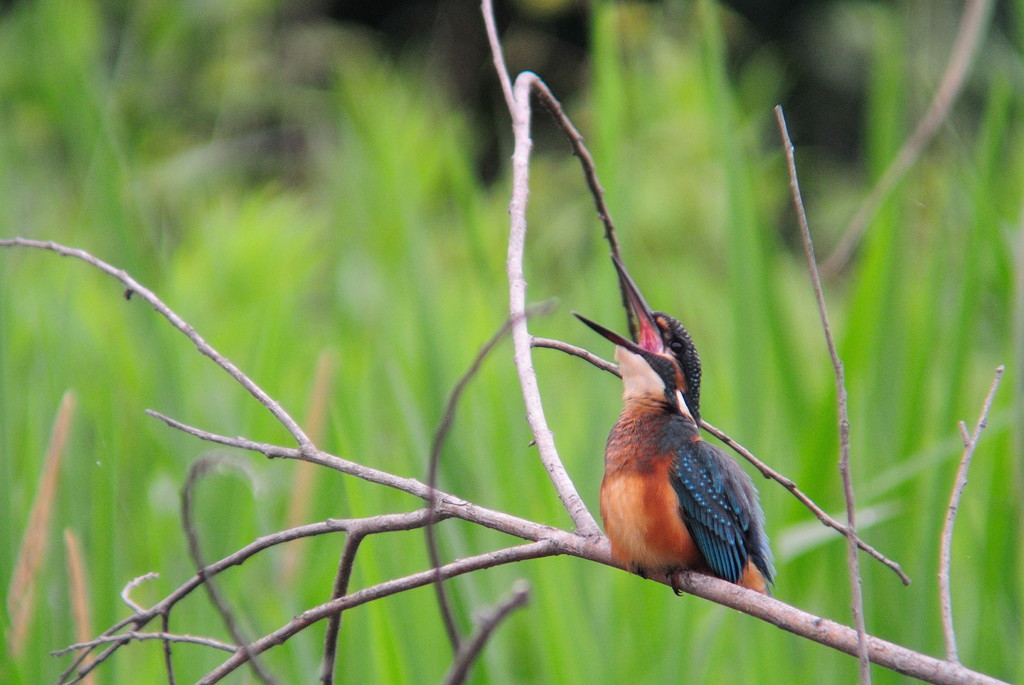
[638,377]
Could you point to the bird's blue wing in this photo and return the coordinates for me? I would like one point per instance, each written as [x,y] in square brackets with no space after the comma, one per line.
[719,506]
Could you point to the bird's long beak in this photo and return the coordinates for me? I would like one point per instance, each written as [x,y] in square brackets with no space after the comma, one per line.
[612,335]
[641,320]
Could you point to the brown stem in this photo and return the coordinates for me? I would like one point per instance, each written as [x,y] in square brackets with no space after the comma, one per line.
[533,550]
[487,625]
[135,288]
[856,590]
[341,579]
[946,541]
[200,468]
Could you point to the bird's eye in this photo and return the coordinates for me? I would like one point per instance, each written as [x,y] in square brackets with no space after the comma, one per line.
[676,346]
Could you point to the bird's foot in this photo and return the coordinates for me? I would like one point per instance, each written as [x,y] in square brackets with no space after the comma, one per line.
[674,579]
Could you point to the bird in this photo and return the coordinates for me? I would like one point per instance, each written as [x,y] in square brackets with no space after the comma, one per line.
[671,501]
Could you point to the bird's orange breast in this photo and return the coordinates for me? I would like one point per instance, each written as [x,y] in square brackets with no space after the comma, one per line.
[641,518]
[638,505]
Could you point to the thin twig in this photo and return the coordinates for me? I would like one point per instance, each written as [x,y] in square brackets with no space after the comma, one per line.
[197,471]
[443,428]
[443,603]
[375,524]
[964,435]
[579,149]
[137,636]
[965,45]
[136,288]
[820,513]
[341,580]
[497,55]
[946,542]
[132,584]
[583,354]
[168,652]
[488,622]
[448,504]
[739,449]
[856,590]
[533,550]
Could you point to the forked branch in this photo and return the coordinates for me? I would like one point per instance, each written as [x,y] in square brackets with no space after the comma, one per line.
[946,542]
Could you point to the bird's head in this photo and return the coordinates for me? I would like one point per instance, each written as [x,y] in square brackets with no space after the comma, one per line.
[661,359]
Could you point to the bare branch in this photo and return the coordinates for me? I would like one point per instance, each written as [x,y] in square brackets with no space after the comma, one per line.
[965,45]
[581,516]
[857,599]
[946,541]
[487,9]
[139,637]
[314,456]
[196,471]
[348,557]
[132,584]
[165,627]
[820,513]
[576,352]
[440,435]
[827,632]
[448,505]
[579,149]
[134,287]
[533,550]
[375,524]
[489,621]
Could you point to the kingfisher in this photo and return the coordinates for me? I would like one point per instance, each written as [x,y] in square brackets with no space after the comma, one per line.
[670,500]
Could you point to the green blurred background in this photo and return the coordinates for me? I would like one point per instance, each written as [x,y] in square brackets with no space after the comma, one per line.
[329,209]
